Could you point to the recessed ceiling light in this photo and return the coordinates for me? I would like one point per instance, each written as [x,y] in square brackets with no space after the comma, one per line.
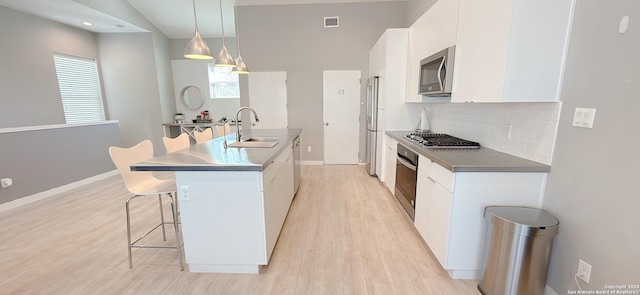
[87,23]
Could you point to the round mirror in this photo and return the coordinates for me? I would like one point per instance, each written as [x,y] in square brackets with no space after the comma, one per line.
[192,97]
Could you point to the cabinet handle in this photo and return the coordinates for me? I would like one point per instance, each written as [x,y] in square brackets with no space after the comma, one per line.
[432,180]
[440,74]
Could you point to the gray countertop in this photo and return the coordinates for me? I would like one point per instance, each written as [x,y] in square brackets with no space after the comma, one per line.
[471,160]
[212,156]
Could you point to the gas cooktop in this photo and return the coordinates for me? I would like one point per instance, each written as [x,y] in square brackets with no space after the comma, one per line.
[441,140]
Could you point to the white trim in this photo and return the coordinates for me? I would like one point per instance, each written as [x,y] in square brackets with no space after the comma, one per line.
[54,191]
[54,126]
[312,162]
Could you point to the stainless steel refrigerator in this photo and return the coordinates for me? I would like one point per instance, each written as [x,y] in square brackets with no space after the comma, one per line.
[372,123]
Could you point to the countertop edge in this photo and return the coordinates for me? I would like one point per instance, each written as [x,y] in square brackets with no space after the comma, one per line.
[534,167]
[286,140]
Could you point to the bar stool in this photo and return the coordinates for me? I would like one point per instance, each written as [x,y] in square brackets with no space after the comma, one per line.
[221,130]
[141,184]
[203,136]
[173,144]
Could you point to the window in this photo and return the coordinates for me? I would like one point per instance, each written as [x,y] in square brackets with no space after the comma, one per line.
[223,83]
[79,88]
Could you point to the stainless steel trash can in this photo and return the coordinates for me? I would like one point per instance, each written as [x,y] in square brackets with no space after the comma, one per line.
[517,247]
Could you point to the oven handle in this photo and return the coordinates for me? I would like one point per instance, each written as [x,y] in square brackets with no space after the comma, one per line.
[402,160]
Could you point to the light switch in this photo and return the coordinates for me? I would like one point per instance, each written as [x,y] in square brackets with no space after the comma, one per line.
[583,117]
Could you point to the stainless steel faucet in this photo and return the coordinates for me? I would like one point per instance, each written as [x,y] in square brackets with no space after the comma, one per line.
[238,135]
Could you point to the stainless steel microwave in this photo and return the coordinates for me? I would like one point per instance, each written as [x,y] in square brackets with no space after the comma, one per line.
[436,73]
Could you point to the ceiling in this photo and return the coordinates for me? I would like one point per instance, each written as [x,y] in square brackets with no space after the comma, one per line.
[173,17]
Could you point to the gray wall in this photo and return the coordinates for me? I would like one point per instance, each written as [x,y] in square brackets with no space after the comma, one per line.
[131,86]
[137,86]
[40,160]
[30,95]
[415,9]
[292,38]
[150,89]
[592,185]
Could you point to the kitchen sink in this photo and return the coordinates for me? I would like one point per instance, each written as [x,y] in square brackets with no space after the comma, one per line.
[262,139]
[256,142]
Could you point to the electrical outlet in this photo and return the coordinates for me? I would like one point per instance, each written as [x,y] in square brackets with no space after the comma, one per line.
[308,149]
[185,193]
[6,182]
[507,131]
[584,270]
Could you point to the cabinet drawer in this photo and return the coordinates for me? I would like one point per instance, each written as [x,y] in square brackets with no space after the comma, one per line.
[440,174]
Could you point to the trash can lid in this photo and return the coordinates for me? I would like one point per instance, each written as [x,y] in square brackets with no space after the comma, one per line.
[525,216]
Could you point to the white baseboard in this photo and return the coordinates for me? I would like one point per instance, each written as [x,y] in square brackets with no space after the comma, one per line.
[312,162]
[54,191]
[549,291]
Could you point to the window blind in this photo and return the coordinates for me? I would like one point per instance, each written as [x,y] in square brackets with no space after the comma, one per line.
[223,83]
[80,89]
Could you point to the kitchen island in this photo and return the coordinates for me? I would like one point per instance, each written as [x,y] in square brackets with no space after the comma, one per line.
[233,201]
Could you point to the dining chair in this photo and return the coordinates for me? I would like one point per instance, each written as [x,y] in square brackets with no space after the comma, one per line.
[203,136]
[173,144]
[141,184]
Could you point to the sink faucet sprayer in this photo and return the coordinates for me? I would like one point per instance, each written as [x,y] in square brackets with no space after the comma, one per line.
[238,135]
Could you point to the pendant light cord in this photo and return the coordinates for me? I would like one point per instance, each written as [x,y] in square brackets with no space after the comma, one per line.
[235,19]
[195,17]
[221,22]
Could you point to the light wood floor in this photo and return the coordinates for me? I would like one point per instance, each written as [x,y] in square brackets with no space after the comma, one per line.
[345,234]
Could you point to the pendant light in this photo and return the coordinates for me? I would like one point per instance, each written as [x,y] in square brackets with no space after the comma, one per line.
[197,48]
[240,67]
[224,58]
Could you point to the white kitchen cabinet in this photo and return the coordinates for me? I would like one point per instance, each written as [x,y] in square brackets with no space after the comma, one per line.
[391,148]
[278,194]
[450,207]
[232,220]
[432,32]
[433,206]
[510,50]
[439,220]
[423,198]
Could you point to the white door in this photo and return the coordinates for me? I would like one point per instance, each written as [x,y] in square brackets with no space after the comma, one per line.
[268,96]
[341,117]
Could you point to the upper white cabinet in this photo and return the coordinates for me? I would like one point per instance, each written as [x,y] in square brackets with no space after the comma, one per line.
[511,50]
[432,32]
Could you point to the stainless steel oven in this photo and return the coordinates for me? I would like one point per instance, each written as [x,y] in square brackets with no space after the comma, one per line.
[406,178]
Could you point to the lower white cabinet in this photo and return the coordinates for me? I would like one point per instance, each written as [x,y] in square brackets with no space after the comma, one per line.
[390,151]
[433,212]
[450,208]
[278,195]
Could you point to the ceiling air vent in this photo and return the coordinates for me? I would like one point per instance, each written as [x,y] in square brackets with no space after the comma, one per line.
[331,21]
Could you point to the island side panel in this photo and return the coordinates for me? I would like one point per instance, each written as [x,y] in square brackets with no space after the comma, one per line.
[222,221]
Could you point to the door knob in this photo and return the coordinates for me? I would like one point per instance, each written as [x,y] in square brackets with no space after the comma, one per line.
[326,124]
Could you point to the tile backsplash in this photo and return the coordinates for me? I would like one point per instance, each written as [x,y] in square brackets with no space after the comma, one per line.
[533,126]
